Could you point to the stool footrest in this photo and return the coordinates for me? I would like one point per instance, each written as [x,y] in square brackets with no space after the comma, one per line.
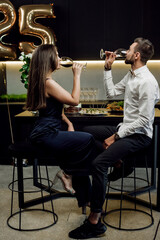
[11,225]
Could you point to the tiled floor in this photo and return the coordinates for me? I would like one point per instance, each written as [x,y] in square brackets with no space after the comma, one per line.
[69,215]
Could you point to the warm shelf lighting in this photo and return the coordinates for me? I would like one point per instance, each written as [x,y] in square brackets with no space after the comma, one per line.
[82,61]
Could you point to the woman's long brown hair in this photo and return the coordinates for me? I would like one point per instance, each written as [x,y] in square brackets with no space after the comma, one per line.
[44,60]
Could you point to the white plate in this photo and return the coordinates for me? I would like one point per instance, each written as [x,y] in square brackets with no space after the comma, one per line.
[92,113]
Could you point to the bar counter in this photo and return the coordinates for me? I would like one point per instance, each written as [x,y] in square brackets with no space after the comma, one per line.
[79,120]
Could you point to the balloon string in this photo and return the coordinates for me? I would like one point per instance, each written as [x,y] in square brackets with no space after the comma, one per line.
[8,109]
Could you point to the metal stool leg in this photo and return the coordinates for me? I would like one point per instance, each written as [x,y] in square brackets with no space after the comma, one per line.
[149,192]
[49,186]
[12,192]
[41,184]
[156,230]
[120,216]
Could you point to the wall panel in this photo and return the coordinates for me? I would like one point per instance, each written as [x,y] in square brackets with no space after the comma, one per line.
[83,27]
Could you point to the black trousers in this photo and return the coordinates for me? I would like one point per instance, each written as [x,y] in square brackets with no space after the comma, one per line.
[106,158]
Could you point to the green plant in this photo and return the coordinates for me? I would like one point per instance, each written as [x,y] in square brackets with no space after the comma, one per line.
[13,97]
[120,103]
[25,68]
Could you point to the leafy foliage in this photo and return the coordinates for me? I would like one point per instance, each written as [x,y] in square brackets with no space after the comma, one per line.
[13,97]
[116,106]
[25,68]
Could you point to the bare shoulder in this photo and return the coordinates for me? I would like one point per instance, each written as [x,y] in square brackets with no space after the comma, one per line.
[49,82]
[52,87]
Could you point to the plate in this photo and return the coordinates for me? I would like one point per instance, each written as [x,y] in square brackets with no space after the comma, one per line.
[71,113]
[92,112]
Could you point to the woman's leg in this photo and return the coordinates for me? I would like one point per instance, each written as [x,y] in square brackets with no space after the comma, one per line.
[75,150]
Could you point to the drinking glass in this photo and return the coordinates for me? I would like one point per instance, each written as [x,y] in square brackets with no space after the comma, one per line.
[68,62]
[90,93]
[82,95]
[95,92]
[85,93]
[120,53]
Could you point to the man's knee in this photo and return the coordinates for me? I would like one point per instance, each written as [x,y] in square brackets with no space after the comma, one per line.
[88,129]
[98,165]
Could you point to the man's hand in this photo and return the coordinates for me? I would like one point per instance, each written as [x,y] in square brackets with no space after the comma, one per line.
[110,57]
[108,141]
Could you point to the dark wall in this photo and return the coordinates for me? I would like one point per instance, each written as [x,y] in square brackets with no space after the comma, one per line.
[84,27]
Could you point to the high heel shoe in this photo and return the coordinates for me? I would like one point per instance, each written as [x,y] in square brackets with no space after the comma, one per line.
[66,181]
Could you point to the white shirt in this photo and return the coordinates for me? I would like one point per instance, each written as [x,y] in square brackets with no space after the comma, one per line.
[141,93]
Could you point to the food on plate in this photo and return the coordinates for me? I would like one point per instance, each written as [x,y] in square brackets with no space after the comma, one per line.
[72,109]
[93,111]
[115,106]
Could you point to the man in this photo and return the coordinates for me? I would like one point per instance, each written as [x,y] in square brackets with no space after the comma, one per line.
[141,92]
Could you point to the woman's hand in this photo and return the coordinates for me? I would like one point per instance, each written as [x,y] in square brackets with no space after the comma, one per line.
[108,141]
[69,123]
[70,128]
[77,68]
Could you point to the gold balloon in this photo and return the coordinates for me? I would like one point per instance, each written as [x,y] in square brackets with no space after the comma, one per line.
[7,51]
[28,25]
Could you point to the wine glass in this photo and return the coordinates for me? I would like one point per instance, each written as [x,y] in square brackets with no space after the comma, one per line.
[95,92]
[82,95]
[68,62]
[90,94]
[85,93]
[120,53]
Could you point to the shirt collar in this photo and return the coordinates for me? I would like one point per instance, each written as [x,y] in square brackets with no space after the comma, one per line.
[138,70]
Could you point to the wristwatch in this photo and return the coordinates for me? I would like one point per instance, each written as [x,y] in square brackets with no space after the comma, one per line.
[107,68]
[117,137]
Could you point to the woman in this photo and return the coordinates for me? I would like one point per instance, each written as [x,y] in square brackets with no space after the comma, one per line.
[72,149]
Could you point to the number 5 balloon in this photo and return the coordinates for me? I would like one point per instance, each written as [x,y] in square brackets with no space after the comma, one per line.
[7,51]
[28,25]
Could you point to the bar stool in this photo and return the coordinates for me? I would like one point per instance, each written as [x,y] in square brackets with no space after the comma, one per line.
[20,151]
[122,215]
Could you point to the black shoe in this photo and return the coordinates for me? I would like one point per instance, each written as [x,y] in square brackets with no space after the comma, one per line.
[88,230]
[118,172]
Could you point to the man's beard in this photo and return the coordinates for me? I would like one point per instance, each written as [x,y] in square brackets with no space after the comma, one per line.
[129,61]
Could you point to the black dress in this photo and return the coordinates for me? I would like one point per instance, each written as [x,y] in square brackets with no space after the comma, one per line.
[73,149]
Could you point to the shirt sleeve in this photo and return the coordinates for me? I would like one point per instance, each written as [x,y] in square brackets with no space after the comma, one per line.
[148,95]
[112,89]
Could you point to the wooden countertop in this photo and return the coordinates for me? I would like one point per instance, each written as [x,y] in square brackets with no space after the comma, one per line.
[33,114]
